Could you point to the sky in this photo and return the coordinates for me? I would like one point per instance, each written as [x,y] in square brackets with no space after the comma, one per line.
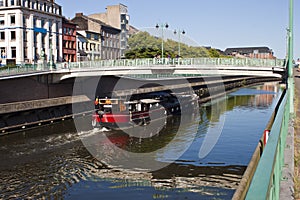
[216,23]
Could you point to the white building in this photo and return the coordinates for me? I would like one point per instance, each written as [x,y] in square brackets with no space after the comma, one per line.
[29,29]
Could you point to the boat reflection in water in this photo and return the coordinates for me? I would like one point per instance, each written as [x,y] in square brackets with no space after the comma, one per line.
[170,179]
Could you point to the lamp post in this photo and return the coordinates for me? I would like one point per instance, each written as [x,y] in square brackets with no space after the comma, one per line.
[179,34]
[50,53]
[290,39]
[290,57]
[162,26]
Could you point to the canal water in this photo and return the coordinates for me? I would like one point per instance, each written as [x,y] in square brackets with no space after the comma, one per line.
[55,162]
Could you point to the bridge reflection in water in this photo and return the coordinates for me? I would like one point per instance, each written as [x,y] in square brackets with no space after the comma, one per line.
[52,162]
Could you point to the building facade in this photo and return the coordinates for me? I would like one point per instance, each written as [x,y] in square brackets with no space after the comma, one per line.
[250,52]
[69,41]
[96,39]
[30,31]
[116,16]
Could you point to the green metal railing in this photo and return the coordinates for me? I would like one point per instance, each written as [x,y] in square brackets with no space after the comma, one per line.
[147,62]
[22,69]
[250,62]
[266,180]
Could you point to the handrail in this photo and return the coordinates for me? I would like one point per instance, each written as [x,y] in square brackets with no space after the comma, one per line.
[266,180]
[244,185]
[252,62]
[241,62]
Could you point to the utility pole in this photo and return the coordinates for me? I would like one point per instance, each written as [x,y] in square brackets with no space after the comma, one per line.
[290,40]
[290,59]
[162,26]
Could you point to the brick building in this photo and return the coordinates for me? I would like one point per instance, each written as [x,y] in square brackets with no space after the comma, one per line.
[250,52]
[69,41]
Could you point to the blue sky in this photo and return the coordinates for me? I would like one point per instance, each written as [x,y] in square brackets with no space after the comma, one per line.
[216,23]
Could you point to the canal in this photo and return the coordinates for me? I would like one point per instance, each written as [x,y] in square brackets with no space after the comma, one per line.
[195,156]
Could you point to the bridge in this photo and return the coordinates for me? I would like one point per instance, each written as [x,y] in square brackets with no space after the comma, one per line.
[142,68]
[264,173]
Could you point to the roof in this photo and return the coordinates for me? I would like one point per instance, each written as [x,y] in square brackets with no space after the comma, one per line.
[147,101]
[247,50]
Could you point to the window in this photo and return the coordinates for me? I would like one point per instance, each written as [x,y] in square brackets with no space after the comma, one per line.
[25,35]
[3,52]
[13,35]
[1,3]
[12,2]
[12,19]
[50,25]
[13,52]
[96,37]
[2,21]
[88,35]
[25,52]
[2,35]
[42,23]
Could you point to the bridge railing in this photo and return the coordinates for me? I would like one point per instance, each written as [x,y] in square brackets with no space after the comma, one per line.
[147,62]
[21,69]
[265,183]
[175,62]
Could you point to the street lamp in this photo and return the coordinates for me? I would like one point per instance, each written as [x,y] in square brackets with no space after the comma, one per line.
[162,26]
[179,33]
[50,53]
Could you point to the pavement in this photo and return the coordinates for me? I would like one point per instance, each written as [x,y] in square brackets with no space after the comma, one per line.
[290,171]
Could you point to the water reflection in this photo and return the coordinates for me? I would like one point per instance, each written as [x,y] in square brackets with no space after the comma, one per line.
[52,162]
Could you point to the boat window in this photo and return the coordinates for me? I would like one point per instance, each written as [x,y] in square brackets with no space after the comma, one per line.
[107,110]
[132,108]
[139,107]
[145,107]
[122,107]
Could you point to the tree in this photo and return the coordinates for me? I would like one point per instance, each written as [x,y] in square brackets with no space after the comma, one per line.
[143,45]
[213,53]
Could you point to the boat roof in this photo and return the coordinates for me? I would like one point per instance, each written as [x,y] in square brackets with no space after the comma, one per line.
[131,102]
[149,100]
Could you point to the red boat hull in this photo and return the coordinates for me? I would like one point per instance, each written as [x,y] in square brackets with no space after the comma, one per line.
[122,120]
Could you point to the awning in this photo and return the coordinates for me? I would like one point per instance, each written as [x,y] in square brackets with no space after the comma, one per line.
[82,39]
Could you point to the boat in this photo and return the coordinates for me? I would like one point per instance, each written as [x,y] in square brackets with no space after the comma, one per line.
[140,110]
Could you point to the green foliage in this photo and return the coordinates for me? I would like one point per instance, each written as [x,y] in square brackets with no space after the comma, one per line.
[143,45]
[213,53]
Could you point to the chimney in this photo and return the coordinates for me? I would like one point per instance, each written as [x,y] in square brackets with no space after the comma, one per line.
[79,14]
